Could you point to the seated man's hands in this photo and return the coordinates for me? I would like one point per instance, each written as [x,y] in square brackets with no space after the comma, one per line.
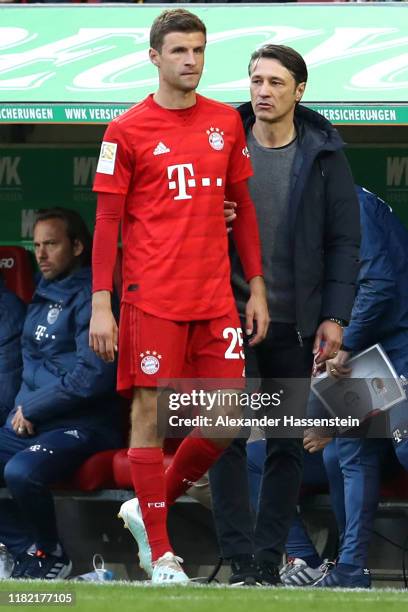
[314,440]
[21,426]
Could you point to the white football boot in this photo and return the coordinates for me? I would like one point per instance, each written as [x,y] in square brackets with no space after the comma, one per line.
[167,570]
[131,515]
[6,563]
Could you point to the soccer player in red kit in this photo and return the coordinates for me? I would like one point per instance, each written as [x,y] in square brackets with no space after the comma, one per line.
[164,169]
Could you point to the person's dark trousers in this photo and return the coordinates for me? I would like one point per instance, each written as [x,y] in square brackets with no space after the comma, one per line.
[281,355]
[28,466]
[314,476]
[353,469]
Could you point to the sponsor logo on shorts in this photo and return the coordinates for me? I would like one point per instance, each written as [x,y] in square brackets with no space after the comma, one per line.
[150,362]
[35,448]
[72,432]
[215,138]
[398,435]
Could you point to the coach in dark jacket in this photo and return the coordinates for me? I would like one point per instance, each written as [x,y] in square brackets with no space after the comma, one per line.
[12,313]
[65,409]
[308,217]
[323,224]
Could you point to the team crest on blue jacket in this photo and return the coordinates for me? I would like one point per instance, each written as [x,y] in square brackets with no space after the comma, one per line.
[53,313]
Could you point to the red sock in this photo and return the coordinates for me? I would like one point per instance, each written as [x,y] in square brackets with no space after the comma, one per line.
[193,458]
[146,466]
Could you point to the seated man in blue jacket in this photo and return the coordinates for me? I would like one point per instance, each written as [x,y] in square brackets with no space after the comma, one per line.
[65,409]
[380,314]
[12,313]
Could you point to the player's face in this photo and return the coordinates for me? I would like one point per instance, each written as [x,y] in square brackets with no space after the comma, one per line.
[55,254]
[274,92]
[181,60]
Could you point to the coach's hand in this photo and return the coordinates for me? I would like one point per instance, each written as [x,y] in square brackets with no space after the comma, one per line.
[328,339]
[229,213]
[257,310]
[103,330]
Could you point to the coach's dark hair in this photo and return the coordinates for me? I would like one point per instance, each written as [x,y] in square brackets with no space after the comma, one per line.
[76,229]
[174,20]
[288,57]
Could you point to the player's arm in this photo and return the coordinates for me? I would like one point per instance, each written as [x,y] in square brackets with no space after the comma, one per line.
[103,330]
[112,179]
[246,237]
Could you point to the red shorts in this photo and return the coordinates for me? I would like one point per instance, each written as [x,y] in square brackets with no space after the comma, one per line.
[152,350]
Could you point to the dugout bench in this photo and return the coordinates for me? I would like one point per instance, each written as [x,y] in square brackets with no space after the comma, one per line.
[87,527]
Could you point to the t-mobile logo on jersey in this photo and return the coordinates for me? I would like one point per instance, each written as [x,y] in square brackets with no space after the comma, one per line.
[184,175]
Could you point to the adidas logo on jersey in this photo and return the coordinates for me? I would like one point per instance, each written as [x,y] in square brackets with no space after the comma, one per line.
[160,149]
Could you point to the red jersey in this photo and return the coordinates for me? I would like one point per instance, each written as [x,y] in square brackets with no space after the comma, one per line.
[174,166]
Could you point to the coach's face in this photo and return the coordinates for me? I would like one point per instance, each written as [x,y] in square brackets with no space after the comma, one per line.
[180,61]
[274,92]
[56,255]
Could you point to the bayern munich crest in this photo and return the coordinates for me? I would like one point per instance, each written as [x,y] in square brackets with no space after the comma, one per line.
[53,313]
[150,362]
[215,138]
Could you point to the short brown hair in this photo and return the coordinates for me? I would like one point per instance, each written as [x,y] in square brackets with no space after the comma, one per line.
[288,57]
[174,20]
[75,226]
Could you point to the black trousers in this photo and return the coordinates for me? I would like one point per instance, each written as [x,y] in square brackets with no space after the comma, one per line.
[281,355]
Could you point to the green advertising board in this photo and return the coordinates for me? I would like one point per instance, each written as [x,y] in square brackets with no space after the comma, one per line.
[340,114]
[41,177]
[85,64]
[32,178]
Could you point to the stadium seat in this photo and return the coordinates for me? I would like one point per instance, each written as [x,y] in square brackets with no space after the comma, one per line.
[94,474]
[17,270]
[395,487]
[97,472]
